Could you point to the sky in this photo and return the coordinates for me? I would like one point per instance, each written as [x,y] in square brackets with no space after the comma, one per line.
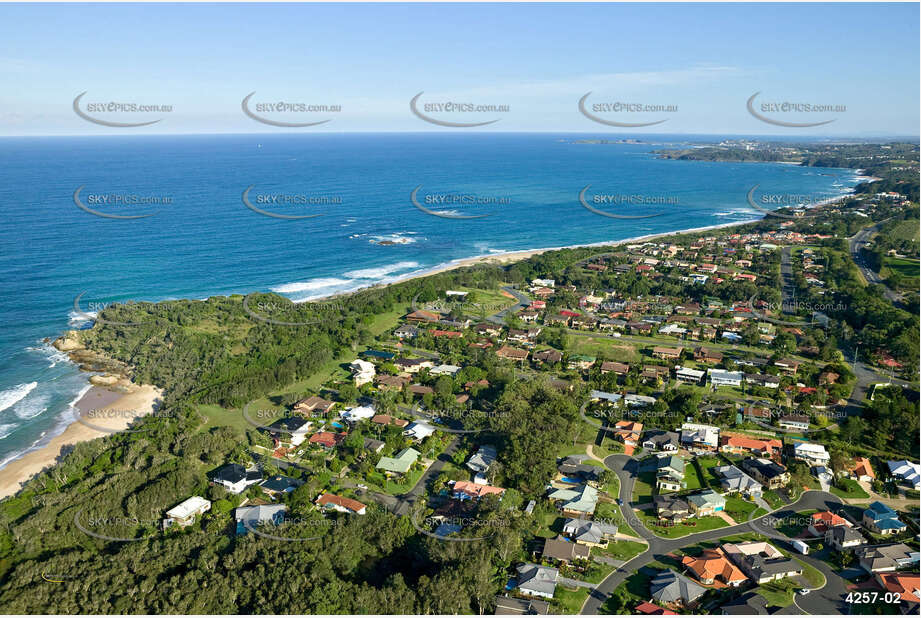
[697,64]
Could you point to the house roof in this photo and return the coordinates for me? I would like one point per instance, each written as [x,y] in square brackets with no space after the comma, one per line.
[332,499]
[751,444]
[564,549]
[651,609]
[588,531]
[280,483]
[582,498]
[707,498]
[826,519]
[188,506]
[670,587]
[475,490]
[713,564]
[905,584]
[400,463]
[862,467]
[537,578]
[510,606]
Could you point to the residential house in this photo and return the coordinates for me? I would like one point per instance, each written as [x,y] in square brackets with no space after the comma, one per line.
[670,588]
[670,508]
[688,375]
[445,370]
[537,581]
[883,520]
[580,361]
[700,436]
[812,454]
[620,369]
[510,353]
[386,419]
[629,433]
[707,356]
[327,440]
[481,461]
[706,502]
[763,380]
[362,371]
[906,586]
[670,473]
[787,366]
[820,522]
[862,470]
[375,446]
[769,473]
[590,533]
[235,478]
[651,609]
[184,513]
[796,422]
[659,440]
[313,406]
[423,317]
[467,490]
[406,331]
[565,551]
[762,447]
[714,565]
[280,484]
[638,401]
[721,377]
[291,430]
[666,353]
[732,481]
[549,355]
[358,413]
[843,538]
[749,604]
[761,561]
[249,517]
[399,464]
[390,383]
[418,431]
[885,558]
[906,471]
[343,505]
[578,502]
[574,472]
[413,365]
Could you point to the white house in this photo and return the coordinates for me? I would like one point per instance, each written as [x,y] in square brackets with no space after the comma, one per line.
[638,401]
[362,371]
[907,471]
[418,430]
[813,454]
[184,513]
[537,581]
[691,376]
[721,377]
[701,436]
[444,370]
[361,413]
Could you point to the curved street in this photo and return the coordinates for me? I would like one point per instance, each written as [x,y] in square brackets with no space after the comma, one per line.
[827,600]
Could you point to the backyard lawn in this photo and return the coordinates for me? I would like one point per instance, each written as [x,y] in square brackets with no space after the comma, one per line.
[622,550]
[691,526]
[773,499]
[643,487]
[568,601]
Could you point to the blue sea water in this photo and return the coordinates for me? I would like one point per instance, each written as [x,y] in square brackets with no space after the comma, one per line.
[205,241]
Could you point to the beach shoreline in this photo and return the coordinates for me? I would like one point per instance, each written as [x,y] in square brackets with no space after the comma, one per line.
[101,412]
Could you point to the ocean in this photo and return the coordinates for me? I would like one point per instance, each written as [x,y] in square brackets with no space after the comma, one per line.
[359,225]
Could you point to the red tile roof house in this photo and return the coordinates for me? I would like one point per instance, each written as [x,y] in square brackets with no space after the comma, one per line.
[343,505]
[422,316]
[326,439]
[823,520]
[467,490]
[743,444]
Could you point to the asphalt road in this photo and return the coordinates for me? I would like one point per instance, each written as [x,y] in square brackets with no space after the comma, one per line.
[523,301]
[828,600]
[855,244]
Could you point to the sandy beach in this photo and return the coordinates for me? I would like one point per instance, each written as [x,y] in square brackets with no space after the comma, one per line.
[102,411]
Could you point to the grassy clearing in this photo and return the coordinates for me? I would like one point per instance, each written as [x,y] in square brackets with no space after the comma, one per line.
[773,499]
[622,550]
[850,489]
[643,487]
[611,512]
[708,479]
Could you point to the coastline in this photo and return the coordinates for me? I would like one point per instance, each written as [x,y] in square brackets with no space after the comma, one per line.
[509,257]
[110,411]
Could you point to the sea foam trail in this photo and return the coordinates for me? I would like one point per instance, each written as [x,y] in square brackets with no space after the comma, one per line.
[13,395]
[381,271]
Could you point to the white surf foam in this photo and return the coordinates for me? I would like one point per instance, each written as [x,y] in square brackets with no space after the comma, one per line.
[13,395]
